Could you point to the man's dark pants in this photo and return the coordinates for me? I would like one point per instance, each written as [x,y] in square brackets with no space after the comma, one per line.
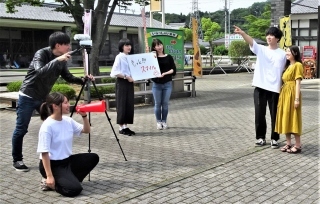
[25,109]
[261,98]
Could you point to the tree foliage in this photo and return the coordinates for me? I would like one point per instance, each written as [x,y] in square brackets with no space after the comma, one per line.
[101,18]
[187,34]
[238,50]
[256,26]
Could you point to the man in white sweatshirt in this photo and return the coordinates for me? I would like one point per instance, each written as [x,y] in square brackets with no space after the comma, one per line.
[267,81]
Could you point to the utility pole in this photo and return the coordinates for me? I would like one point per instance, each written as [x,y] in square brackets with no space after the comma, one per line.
[225,22]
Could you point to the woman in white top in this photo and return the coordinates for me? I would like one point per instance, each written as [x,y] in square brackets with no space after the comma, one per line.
[61,170]
[124,88]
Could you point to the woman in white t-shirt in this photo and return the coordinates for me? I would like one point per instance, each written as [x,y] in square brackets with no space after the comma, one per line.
[61,170]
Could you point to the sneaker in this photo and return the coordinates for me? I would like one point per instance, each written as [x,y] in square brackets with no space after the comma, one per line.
[165,125]
[274,144]
[43,185]
[260,142]
[159,125]
[20,166]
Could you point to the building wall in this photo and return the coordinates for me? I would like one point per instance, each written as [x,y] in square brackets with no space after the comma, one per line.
[304,29]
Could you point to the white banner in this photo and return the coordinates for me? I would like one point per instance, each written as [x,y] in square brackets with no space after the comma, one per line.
[87,30]
[143,66]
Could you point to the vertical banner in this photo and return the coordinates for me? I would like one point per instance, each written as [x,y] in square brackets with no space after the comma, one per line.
[197,65]
[173,43]
[155,6]
[285,27]
[144,20]
[87,30]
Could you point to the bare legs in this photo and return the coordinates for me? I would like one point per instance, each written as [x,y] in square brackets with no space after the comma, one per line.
[288,147]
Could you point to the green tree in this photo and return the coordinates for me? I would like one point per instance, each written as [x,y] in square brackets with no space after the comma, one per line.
[238,50]
[187,34]
[220,50]
[209,28]
[257,26]
[101,18]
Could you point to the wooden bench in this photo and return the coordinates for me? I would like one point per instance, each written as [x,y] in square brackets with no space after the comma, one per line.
[107,97]
[10,98]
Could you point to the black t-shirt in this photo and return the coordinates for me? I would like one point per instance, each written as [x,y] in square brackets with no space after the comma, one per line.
[166,63]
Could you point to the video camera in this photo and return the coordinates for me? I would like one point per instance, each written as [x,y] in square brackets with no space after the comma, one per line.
[84,41]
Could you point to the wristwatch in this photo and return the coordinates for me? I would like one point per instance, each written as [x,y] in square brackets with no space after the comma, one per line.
[124,76]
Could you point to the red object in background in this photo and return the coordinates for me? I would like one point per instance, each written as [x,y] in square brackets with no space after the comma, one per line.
[173,42]
[92,107]
[309,56]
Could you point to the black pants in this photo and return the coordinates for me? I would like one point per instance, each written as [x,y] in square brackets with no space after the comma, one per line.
[68,173]
[261,98]
[124,101]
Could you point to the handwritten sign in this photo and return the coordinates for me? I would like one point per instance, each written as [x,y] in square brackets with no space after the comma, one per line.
[143,66]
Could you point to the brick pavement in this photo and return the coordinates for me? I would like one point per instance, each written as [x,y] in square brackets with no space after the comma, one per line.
[207,155]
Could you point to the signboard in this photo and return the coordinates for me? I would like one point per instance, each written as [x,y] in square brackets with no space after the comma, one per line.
[285,27]
[143,66]
[173,43]
[155,6]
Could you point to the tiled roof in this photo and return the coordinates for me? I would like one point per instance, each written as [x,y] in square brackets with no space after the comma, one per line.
[27,12]
[304,6]
[48,13]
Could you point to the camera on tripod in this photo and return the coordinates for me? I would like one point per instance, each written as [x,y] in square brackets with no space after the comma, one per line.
[84,41]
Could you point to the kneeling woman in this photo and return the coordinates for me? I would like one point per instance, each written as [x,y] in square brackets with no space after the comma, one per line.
[61,170]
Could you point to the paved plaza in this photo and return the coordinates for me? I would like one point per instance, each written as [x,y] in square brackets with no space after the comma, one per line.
[206,156]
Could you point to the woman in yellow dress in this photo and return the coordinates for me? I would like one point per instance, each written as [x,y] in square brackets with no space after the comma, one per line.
[289,118]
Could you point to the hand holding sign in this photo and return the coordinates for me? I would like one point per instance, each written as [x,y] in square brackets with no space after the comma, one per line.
[143,66]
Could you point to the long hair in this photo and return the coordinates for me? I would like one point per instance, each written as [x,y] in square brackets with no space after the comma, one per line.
[46,108]
[155,42]
[295,51]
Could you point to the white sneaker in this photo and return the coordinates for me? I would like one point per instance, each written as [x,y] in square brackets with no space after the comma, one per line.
[165,125]
[159,125]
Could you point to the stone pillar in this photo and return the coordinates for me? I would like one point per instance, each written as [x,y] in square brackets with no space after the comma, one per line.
[279,8]
[123,34]
[67,30]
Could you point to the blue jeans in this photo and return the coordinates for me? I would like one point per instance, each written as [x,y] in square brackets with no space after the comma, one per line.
[25,108]
[161,96]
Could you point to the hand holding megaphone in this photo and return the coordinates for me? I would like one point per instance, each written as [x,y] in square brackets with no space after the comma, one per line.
[92,107]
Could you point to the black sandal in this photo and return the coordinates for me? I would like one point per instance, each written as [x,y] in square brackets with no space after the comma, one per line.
[294,150]
[285,148]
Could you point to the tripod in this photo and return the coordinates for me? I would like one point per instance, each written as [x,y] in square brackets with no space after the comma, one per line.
[86,86]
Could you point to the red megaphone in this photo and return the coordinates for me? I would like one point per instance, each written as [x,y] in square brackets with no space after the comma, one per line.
[92,107]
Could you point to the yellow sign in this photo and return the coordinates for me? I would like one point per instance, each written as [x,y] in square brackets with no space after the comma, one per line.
[285,27]
[155,6]
[197,65]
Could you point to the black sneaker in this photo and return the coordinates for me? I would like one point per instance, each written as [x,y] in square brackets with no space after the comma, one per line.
[274,144]
[127,131]
[20,166]
[260,142]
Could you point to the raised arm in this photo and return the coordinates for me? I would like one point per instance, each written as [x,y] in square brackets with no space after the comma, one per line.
[245,36]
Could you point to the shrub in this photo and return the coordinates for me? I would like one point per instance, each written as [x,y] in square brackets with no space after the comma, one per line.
[238,50]
[102,90]
[14,86]
[65,89]
[108,80]
[220,50]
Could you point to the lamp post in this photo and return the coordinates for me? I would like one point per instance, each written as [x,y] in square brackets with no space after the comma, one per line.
[163,14]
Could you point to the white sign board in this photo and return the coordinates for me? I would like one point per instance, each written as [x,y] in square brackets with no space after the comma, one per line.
[143,66]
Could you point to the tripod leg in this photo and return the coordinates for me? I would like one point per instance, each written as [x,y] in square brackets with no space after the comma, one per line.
[78,98]
[109,119]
